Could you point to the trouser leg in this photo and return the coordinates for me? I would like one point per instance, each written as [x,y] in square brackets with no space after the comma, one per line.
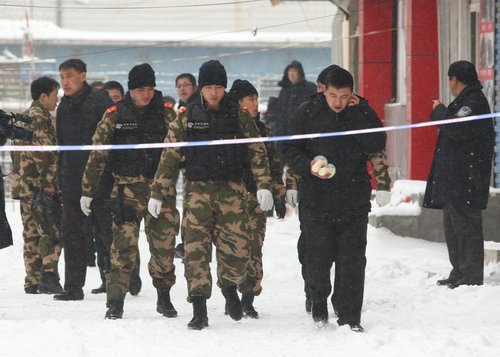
[75,247]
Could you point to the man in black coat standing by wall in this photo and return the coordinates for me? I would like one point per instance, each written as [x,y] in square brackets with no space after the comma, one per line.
[78,113]
[335,194]
[460,174]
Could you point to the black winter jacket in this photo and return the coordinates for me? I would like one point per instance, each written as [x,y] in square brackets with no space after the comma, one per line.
[461,167]
[347,194]
[291,96]
[76,121]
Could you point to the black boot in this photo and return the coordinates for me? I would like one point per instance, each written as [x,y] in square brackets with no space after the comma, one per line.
[135,285]
[164,305]
[31,289]
[50,284]
[69,295]
[115,310]
[320,311]
[101,289]
[247,306]
[200,318]
[233,303]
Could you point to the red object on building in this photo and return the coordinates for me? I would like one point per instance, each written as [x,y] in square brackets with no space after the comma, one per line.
[422,82]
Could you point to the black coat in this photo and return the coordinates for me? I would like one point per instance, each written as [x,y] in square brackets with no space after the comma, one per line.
[5,231]
[291,96]
[461,168]
[347,194]
[76,121]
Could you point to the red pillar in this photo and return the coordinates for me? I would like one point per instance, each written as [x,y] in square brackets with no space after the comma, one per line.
[422,82]
[375,52]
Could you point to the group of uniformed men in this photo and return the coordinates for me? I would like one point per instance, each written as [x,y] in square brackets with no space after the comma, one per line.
[228,187]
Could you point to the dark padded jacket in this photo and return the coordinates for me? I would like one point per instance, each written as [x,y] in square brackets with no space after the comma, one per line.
[347,194]
[76,121]
[461,167]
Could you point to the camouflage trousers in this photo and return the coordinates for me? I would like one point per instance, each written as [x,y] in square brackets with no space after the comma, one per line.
[215,212]
[255,234]
[160,233]
[41,250]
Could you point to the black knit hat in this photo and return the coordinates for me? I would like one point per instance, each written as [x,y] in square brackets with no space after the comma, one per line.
[212,73]
[140,76]
[242,88]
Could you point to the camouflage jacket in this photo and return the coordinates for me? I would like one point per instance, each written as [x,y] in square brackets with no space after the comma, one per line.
[98,158]
[379,167]
[278,187]
[164,182]
[380,170]
[35,169]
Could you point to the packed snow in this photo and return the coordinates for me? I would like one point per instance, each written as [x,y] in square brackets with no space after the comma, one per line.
[405,313]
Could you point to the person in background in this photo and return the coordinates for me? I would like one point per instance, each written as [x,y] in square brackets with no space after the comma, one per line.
[34,181]
[295,90]
[185,84]
[215,203]
[248,98]
[335,194]
[459,179]
[78,113]
[115,90]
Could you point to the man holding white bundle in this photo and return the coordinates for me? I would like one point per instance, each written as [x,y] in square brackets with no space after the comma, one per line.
[335,194]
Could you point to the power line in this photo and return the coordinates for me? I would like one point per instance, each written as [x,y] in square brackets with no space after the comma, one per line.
[130,7]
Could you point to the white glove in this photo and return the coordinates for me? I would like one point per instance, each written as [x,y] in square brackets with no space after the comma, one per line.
[85,204]
[154,207]
[383,198]
[292,197]
[265,199]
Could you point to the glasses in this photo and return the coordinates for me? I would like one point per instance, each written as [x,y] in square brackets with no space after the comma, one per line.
[185,85]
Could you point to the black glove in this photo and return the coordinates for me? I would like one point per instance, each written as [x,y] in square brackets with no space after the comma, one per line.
[280,209]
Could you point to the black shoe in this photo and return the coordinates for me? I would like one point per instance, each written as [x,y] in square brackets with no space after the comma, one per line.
[308,305]
[200,318]
[463,281]
[233,303]
[446,282]
[357,328]
[115,310]
[135,285]
[50,284]
[247,306]
[320,311]
[31,289]
[69,295]
[164,305]
[101,289]
[179,251]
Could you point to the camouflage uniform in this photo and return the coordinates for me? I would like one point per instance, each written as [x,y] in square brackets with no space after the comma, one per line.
[215,210]
[257,218]
[33,171]
[131,194]
[380,170]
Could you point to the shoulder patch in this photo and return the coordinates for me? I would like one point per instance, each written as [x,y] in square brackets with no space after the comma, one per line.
[464,111]
[112,109]
[182,110]
[168,105]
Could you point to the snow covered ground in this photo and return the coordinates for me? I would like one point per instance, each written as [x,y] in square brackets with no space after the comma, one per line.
[405,313]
